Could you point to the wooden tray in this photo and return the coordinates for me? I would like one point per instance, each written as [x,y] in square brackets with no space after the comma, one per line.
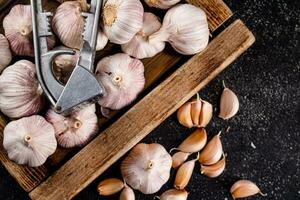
[169,83]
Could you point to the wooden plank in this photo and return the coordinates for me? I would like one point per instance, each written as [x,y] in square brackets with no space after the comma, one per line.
[147,114]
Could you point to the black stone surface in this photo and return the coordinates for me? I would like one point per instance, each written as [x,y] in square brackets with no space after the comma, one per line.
[267,81]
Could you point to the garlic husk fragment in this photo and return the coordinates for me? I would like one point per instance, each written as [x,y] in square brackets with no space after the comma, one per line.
[212,152]
[185,27]
[122,19]
[5,54]
[110,186]
[18,31]
[229,104]
[139,46]
[147,167]
[214,170]
[123,79]
[102,40]
[174,194]
[29,140]
[244,188]
[179,158]
[195,142]
[20,92]
[75,129]
[127,194]
[162,4]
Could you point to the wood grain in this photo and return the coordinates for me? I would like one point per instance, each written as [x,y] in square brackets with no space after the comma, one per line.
[147,114]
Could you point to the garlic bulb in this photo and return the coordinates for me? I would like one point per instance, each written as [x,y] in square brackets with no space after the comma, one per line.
[102,40]
[244,188]
[20,93]
[147,167]
[18,30]
[77,128]
[29,140]
[122,19]
[185,27]
[229,104]
[163,4]
[174,194]
[139,46]
[123,79]
[5,54]
[110,186]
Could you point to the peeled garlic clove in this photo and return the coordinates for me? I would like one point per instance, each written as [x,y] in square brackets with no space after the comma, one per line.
[195,142]
[29,140]
[214,170]
[244,188]
[18,30]
[75,129]
[163,4]
[184,115]
[179,158]
[20,92]
[127,194]
[122,19]
[229,104]
[185,27]
[206,113]
[110,186]
[212,152]
[123,79]
[139,46]
[147,167]
[102,40]
[174,194]
[5,54]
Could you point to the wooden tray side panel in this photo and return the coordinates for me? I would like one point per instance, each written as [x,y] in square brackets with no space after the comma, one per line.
[147,114]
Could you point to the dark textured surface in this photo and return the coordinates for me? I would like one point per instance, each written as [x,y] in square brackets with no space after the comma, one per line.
[267,81]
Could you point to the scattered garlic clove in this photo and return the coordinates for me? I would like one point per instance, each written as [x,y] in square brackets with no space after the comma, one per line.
[102,40]
[122,77]
[206,113]
[229,104]
[162,4]
[244,188]
[127,194]
[75,129]
[110,186]
[139,46]
[214,170]
[120,25]
[29,140]
[20,92]
[5,54]
[187,32]
[147,167]
[184,115]
[18,31]
[174,194]
[212,152]
[195,142]
[179,158]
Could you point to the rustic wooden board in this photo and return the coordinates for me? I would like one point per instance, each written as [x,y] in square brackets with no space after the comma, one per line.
[147,114]
[155,67]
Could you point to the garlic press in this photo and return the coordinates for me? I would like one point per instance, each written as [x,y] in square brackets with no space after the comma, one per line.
[82,86]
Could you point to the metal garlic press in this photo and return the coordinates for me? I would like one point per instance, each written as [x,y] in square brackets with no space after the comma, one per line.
[82,86]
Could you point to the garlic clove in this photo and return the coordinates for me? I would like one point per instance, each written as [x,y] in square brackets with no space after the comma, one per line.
[127,194]
[196,107]
[120,25]
[229,104]
[162,4]
[29,140]
[147,167]
[5,54]
[179,158]
[212,152]
[214,170]
[195,142]
[110,186]
[174,194]
[123,79]
[244,188]
[102,40]
[20,92]
[184,115]
[206,113]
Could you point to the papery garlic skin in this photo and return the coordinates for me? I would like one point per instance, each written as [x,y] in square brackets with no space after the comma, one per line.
[229,104]
[20,92]
[75,129]
[185,27]
[18,30]
[110,186]
[122,19]
[123,79]
[174,194]
[162,4]
[139,46]
[5,54]
[29,140]
[147,167]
